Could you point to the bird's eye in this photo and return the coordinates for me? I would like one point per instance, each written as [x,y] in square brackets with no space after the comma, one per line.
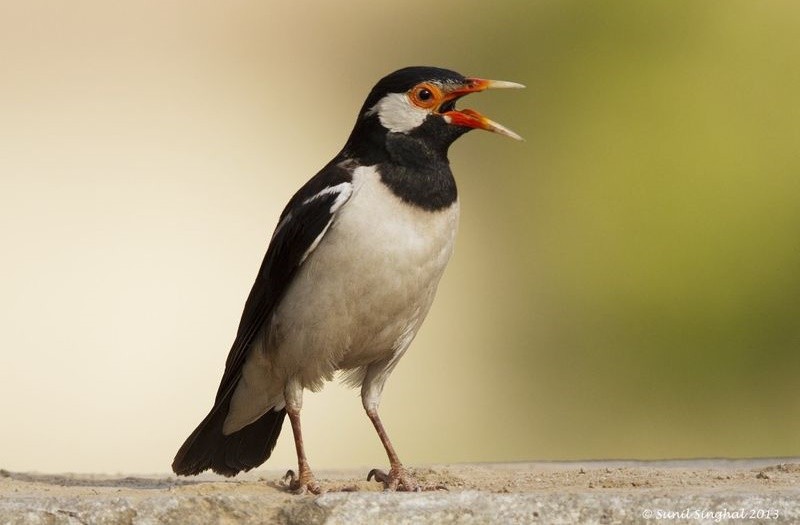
[425,95]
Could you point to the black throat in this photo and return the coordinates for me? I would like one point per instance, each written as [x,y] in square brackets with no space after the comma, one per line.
[416,174]
[413,165]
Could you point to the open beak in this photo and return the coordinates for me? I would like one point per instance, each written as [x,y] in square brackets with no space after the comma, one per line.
[469,117]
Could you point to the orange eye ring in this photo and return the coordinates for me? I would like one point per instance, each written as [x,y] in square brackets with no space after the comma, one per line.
[425,95]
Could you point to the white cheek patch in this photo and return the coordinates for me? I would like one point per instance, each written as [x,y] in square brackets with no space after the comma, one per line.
[397,113]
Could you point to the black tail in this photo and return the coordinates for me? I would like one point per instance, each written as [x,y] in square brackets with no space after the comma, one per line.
[208,448]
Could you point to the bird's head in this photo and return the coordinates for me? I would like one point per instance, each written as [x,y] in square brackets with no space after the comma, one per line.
[420,103]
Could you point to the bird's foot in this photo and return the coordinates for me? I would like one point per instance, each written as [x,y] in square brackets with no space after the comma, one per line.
[399,479]
[305,483]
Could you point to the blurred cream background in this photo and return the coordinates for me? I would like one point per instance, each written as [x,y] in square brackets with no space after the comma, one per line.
[626,282]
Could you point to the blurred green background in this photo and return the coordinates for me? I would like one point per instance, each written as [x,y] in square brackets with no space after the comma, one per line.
[626,282]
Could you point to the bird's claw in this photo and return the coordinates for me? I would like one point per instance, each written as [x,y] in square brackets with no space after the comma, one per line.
[289,477]
[395,479]
[398,479]
[302,484]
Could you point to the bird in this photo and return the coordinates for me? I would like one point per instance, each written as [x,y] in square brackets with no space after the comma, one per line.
[349,275]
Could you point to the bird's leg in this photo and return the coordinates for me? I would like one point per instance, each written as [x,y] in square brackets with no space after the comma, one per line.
[304,482]
[398,477]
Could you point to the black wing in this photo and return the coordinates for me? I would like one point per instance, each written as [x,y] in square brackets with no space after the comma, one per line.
[303,223]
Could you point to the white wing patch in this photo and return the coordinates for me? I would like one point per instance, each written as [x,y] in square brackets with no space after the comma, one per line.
[344,191]
[397,113]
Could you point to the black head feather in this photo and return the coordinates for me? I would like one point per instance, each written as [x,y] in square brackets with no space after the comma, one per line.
[368,140]
[404,79]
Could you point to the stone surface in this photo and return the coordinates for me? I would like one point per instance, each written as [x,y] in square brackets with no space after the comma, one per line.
[713,491]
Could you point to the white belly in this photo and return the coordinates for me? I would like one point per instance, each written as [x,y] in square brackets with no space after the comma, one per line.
[358,299]
[362,294]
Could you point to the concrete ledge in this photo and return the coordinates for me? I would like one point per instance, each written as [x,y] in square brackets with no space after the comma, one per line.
[702,491]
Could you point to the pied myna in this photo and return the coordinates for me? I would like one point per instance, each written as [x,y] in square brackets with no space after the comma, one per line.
[349,276]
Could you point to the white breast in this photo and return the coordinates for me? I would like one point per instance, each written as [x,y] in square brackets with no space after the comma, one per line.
[359,297]
[362,294]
